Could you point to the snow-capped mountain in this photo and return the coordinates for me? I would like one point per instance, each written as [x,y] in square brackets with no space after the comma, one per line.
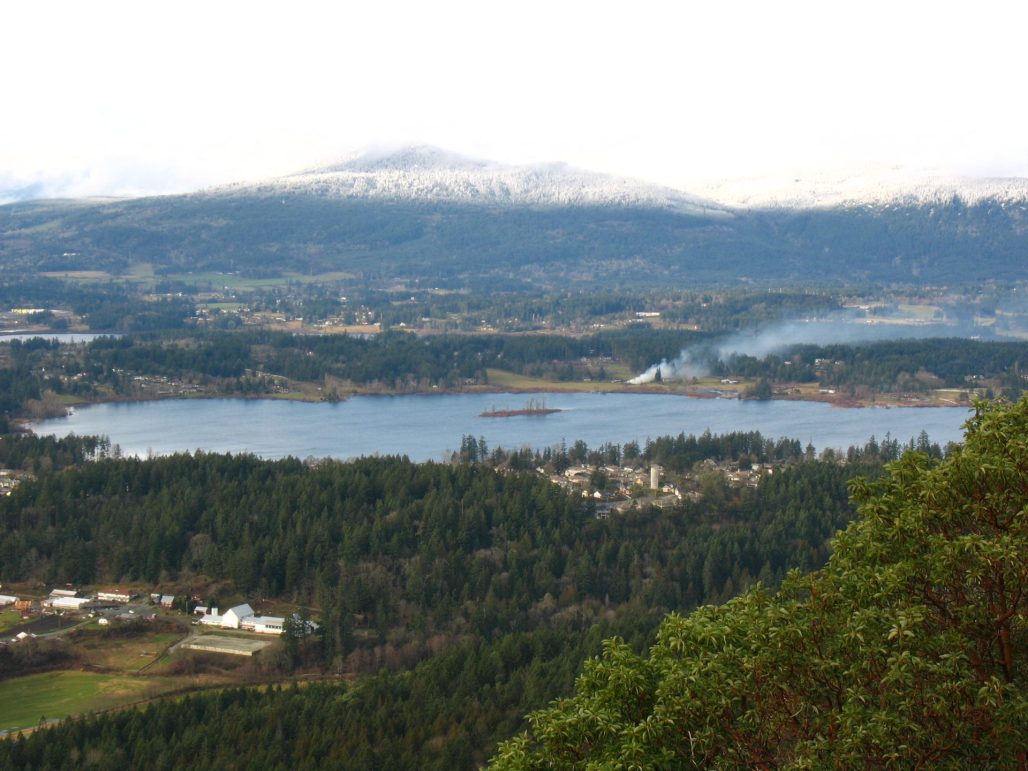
[875,187]
[426,214]
[426,173]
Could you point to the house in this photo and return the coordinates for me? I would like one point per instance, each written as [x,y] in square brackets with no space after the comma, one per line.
[167,600]
[233,618]
[7,599]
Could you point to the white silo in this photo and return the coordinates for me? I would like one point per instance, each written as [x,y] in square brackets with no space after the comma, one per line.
[654,477]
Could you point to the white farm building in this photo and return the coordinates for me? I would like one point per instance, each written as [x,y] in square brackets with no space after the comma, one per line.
[67,603]
[243,617]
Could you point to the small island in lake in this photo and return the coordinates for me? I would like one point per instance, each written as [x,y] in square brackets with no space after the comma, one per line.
[532,407]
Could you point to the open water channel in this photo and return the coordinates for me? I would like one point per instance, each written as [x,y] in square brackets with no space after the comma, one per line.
[427,427]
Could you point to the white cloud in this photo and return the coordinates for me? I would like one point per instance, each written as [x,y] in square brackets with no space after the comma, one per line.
[194,93]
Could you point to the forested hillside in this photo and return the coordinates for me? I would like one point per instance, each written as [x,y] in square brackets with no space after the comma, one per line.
[907,650]
[379,544]
[516,247]
[475,592]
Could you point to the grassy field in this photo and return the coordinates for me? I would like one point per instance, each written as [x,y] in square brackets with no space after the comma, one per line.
[921,312]
[9,618]
[25,701]
[503,379]
[128,654]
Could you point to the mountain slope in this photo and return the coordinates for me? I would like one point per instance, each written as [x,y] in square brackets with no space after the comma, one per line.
[428,174]
[451,221]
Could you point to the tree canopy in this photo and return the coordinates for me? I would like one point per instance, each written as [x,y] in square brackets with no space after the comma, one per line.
[908,649]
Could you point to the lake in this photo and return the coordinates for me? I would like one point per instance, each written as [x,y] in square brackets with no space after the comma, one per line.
[425,427]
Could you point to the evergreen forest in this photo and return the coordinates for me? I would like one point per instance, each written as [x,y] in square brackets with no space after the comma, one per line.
[452,599]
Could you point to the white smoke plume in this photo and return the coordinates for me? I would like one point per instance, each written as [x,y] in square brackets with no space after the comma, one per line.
[695,361]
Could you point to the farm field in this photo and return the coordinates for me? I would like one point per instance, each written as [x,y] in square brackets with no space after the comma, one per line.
[27,701]
[127,655]
[500,378]
[9,619]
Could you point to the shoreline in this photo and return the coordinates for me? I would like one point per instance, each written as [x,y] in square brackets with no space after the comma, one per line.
[886,401]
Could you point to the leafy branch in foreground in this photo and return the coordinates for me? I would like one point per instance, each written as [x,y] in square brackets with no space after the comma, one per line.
[909,649]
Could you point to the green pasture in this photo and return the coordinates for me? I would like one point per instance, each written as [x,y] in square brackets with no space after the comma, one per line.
[504,379]
[9,618]
[25,701]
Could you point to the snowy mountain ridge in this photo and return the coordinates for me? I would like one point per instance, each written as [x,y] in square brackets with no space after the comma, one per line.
[423,173]
[873,187]
[431,174]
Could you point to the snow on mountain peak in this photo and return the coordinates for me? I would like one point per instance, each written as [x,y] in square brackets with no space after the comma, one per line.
[876,187]
[430,174]
[425,173]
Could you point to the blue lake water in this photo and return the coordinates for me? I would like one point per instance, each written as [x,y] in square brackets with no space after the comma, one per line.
[425,427]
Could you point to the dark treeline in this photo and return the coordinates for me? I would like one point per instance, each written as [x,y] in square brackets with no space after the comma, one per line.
[680,454]
[393,360]
[674,453]
[892,365]
[29,452]
[17,387]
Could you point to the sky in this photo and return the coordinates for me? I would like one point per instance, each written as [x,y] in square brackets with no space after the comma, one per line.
[115,98]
